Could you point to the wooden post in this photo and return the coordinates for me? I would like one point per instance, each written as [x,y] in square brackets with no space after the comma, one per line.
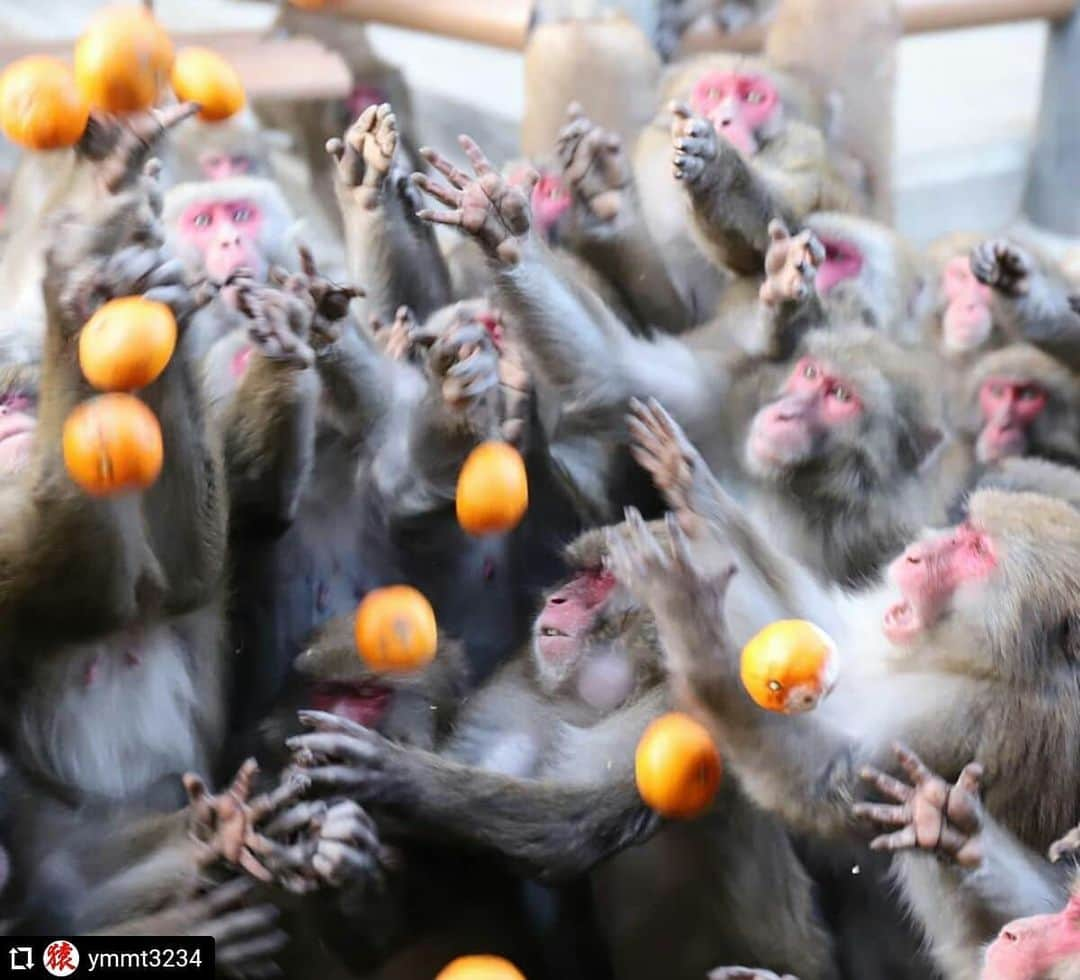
[1051,200]
[500,23]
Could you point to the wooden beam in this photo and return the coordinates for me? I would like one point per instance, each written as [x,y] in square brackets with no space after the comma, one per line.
[270,68]
[918,16]
[499,23]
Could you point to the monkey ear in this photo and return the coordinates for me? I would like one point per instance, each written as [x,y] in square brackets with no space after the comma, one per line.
[923,445]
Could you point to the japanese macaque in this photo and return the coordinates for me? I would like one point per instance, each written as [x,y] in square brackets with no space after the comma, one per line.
[1021,402]
[235,147]
[833,428]
[967,649]
[538,770]
[1046,947]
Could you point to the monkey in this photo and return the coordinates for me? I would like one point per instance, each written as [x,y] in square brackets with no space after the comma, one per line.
[853,412]
[538,770]
[964,638]
[1019,474]
[1021,402]
[1042,946]
[1033,305]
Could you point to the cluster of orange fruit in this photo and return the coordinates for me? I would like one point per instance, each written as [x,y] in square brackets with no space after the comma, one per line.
[122,63]
[112,442]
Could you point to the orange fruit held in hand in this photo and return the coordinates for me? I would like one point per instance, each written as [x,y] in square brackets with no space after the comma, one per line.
[789,666]
[677,766]
[480,968]
[41,107]
[112,443]
[127,343]
[203,76]
[492,489]
[395,629]
[122,59]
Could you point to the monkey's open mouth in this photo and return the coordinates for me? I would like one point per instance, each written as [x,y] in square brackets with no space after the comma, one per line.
[364,702]
[551,631]
[902,622]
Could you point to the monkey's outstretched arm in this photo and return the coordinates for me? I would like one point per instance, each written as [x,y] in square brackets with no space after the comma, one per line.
[608,229]
[358,383]
[392,253]
[1034,306]
[567,332]
[731,204]
[548,830]
[791,765]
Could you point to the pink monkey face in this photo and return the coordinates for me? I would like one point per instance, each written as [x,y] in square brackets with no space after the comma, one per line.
[738,105]
[363,97]
[929,573]
[549,202]
[1008,407]
[968,318]
[18,419]
[218,166]
[226,235]
[843,261]
[813,401]
[1033,947]
[568,614]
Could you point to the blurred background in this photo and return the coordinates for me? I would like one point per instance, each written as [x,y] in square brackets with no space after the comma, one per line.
[966,113]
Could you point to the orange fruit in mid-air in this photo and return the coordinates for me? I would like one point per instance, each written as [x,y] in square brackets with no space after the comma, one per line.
[396,630]
[203,76]
[677,766]
[789,666]
[127,343]
[112,443]
[480,968]
[122,59]
[492,489]
[41,107]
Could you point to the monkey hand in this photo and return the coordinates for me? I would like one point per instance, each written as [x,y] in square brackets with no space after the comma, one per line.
[461,362]
[225,824]
[484,206]
[669,580]
[319,843]
[280,320]
[594,166]
[396,340]
[746,973]
[660,447]
[121,146]
[697,149]
[516,385]
[1003,266]
[342,757]
[932,815]
[366,153]
[791,265]
[1067,847]
[246,935]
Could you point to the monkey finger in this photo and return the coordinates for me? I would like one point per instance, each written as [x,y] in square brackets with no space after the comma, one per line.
[458,178]
[884,813]
[335,146]
[916,769]
[679,109]
[899,841]
[332,745]
[234,954]
[888,785]
[440,217]
[251,865]
[442,193]
[337,863]
[479,161]
[951,840]
[309,813]
[324,721]
[288,790]
[222,897]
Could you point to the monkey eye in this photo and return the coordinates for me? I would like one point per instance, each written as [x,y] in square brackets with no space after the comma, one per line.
[240,215]
[1029,393]
[809,371]
[754,97]
[16,402]
[201,220]
[840,393]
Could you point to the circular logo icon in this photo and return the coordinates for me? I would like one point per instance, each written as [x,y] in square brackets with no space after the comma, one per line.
[61,958]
